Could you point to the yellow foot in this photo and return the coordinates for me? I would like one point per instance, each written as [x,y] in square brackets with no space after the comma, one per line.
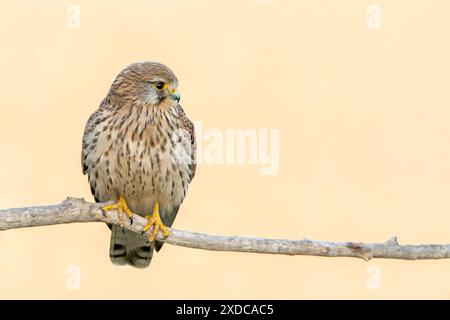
[155,220]
[122,207]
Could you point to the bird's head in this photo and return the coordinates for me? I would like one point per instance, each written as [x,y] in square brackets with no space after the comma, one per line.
[150,83]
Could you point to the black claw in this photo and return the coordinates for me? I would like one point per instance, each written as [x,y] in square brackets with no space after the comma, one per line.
[131,221]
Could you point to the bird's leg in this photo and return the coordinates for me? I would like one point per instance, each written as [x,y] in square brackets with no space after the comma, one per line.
[122,207]
[155,220]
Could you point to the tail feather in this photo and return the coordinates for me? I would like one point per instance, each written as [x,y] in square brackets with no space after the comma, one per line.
[129,248]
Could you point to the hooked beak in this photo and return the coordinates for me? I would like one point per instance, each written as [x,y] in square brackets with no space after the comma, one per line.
[174,94]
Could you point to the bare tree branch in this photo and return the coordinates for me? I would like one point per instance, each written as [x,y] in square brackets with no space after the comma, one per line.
[77,210]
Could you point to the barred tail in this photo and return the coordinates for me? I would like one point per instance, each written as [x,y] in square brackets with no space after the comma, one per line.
[129,248]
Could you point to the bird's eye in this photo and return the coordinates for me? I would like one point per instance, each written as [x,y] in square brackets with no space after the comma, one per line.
[160,85]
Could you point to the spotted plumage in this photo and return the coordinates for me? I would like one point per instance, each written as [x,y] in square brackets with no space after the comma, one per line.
[140,145]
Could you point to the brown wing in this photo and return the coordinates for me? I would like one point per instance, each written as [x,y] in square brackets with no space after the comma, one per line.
[89,135]
[89,140]
[187,125]
[85,148]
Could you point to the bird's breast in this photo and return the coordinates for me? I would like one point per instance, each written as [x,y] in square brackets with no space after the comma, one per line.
[143,158]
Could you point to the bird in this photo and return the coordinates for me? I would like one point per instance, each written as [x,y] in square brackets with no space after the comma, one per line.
[138,151]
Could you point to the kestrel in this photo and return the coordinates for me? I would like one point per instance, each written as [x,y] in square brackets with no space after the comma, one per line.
[139,153]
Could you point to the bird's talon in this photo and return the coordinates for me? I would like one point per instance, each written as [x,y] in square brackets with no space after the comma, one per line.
[150,222]
[128,212]
[122,207]
[164,230]
[155,220]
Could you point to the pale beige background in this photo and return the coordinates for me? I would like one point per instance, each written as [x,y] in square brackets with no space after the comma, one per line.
[365,141]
